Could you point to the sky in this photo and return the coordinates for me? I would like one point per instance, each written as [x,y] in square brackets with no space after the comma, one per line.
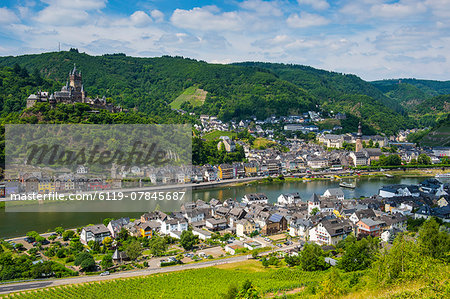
[374,39]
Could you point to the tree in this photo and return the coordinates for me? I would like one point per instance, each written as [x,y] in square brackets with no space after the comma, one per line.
[107,242]
[40,239]
[59,230]
[68,234]
[61,253]
[312,258]
[123,234]
[76,246]
[106,221]
[292,260]
[255,253]
[402,262]
[32,234]
[134,250]
[94,246]
[107,261]
[423,159]
[433,242]
[358,254]
[157,245]
[188,240]
[85,261]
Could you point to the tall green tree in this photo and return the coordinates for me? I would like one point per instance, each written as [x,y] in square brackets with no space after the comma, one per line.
[312,258]
[188,240]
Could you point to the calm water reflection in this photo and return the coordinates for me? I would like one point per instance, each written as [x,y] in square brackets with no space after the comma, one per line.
[17,224]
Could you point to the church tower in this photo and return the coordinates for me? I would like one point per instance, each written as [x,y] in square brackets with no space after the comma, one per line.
[359,146]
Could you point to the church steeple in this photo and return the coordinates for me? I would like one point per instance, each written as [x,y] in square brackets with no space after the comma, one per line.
[358,146]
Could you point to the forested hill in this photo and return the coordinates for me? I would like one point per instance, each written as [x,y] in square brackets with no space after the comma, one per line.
[426,100]
[428,87]
[151,84]
[343,93]
[235,91]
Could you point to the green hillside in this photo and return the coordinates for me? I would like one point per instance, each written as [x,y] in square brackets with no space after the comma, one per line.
[151,84]
[343,93]
[438,136]
[157,86]
[429,87]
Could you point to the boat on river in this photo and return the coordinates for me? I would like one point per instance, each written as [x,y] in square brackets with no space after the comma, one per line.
[348,185]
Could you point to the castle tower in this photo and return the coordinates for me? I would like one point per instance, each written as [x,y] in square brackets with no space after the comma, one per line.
[359,146]
[75,79]
[76,85]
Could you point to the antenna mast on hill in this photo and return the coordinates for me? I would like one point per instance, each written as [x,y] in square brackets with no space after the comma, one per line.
[59,47]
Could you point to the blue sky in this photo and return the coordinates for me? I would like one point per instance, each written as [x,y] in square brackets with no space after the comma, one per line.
[373,39]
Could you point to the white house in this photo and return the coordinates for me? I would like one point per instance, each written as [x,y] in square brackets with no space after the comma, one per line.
[334,193]
[259,198]
[95,233]
[300,228]
[290,198]
[330,231]
[169,225]
[202,234]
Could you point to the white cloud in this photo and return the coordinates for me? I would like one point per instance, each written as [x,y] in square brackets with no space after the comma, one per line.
[262,8]
[7,16]
[316,4]
[77,4]
[206,19]
[157,15]
[62,16]
[306,20]
[140,19]
[400,9]
[439,8]
[68,12]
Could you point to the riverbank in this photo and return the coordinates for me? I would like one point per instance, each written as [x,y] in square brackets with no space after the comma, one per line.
[407,173]
[18,224]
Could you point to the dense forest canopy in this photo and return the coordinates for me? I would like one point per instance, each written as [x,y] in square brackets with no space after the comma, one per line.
[237,91]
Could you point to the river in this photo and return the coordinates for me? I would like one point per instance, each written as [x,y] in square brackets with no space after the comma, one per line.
[17,224]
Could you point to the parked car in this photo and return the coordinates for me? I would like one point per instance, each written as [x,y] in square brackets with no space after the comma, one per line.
[29,240]
[104,273]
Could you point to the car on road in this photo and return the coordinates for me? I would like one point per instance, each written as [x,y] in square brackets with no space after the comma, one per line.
[104,273]
[279,245]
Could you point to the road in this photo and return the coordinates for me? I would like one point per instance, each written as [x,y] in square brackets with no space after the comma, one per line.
[37,284]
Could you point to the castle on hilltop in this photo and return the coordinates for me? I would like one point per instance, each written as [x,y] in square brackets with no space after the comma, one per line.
[72,92]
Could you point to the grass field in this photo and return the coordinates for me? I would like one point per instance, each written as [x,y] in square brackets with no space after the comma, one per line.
[216,134]
[262,143]
[193,95]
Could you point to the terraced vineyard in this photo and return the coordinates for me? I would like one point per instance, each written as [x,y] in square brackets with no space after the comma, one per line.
[200,283]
